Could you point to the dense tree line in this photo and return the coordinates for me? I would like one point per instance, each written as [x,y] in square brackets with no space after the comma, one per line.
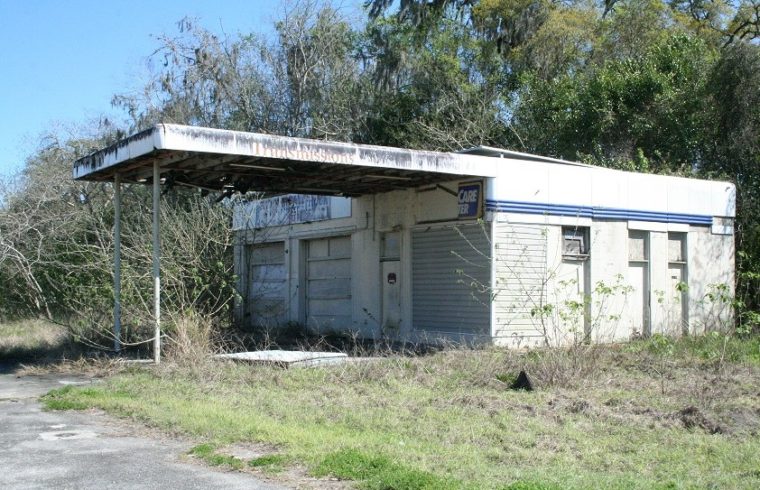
[648,85]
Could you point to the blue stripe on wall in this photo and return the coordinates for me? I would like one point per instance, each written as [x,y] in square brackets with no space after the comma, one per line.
[595,212]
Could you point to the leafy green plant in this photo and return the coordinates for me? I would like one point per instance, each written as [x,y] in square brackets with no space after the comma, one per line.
[663,348]
[660,345]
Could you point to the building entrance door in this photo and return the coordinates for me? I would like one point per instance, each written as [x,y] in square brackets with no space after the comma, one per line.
[390,276]
[638,279]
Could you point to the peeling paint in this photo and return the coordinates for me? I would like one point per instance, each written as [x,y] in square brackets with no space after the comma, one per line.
[118,152]
[224,142]
[329,167]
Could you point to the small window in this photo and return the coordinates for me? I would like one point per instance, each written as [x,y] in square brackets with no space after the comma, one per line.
[676,247]
[638,246]
[575,242]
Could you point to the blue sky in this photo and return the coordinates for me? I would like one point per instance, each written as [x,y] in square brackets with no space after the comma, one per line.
[61,61]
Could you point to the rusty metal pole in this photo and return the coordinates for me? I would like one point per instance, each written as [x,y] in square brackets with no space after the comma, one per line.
[156,264]
[117,263]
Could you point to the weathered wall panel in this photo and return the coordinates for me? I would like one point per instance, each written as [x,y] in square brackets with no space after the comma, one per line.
[520,282]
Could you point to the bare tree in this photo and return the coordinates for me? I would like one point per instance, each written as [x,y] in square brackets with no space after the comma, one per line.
[304,82]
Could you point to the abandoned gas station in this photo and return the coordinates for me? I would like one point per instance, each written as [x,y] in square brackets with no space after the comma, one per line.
[483,245]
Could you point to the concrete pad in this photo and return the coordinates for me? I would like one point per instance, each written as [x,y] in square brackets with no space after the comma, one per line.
[287,358]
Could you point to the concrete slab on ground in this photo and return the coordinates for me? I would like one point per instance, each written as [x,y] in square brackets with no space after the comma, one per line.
[287,358]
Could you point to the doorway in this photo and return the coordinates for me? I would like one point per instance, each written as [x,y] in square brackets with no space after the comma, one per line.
[638,279]
[390,276]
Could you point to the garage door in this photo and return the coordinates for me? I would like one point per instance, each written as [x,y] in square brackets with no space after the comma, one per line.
[266,306]
[451,272]
[328,284]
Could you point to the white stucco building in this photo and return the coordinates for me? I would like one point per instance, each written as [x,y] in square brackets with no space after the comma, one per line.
[482,245]
[538,251]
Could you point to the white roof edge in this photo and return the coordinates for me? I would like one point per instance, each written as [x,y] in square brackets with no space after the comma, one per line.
[516,155]
[177,137]
[481,149]
[134,146]
[220,141]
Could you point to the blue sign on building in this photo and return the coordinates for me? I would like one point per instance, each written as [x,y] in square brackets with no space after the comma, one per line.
[470,197]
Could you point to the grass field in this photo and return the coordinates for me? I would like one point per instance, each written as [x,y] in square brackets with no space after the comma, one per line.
[651,414]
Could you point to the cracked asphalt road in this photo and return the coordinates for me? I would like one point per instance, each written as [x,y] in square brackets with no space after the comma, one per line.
[62,450]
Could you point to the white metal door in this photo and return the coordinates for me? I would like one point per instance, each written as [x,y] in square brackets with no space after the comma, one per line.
[265,305]
[328,284]
[638,279]
[390,278]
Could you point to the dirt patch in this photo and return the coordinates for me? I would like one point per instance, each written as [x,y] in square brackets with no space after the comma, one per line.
[295,476]
[729,420]
[572,405]
[743,420]
[579,406]
[693,418]
[248,451]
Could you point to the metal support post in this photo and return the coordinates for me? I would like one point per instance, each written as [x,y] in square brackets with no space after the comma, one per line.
[117,263]
[156,263]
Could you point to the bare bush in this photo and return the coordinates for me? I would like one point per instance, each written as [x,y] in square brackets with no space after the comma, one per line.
[191,340]
[56,239]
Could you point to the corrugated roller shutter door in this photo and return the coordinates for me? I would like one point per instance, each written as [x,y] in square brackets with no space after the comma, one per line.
[451,274]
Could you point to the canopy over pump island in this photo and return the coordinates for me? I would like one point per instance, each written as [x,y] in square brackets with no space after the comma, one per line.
[480,245]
